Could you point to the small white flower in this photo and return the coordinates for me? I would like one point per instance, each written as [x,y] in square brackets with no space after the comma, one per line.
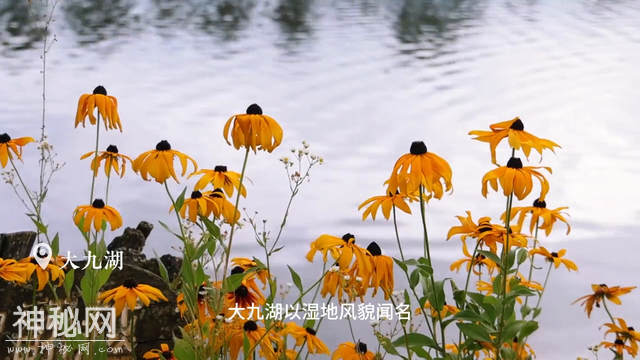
[228,321]
[293,150]
[358,279]
[335,268]
[347,277]
[289,284]
[306,152]
[219,317]
[374,323]
[396,294]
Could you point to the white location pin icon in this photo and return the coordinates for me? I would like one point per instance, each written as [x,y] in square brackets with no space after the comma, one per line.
[42,253]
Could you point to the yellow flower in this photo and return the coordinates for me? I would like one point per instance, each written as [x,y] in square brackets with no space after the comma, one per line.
[247,264]
[107,108]
[351,351]
[486,232]
[308,336]
[11,270]
[624,333]
[196,204]
[204,307]
[220,177]
[128,293]
[387,203]
[156,353]
[446,310]
[523,351]
[96,213]
[381,276]
[343,250]
[245,301]
[51,272]
[479,260]
[518,138]
[159,163]
[539,211]
[601,292]
[111,159]
[253,130]
[488,286]
[333,282]
[223,209]
[421,168]
[555,258]
[257,336]
[7,146]
[516,178]
[619,347]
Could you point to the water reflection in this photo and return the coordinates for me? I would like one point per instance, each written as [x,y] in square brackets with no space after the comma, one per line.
[98,20]
[18,31]
[223,19]
[293,17]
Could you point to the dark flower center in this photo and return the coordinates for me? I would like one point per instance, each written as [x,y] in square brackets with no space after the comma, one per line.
[515,338]
[539,204]
[196,194]
[514,163]
[201,292]
[631,328]
[167,355]
[250,326]
[310,331]
[98,204]
[517,125]
[254,109]
[484,227]
[100,90]
[618,342]
[241,292]
[220,168]
[374,249]
[348,236]
[480,257]
[112,149]
[418,148]
[163,146]
[217,193]
[554,254]
[4,138]
[361,347]
[237,270]
[603,285]
[130,283]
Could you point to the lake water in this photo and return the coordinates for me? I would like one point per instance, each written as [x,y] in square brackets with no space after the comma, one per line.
[358,80]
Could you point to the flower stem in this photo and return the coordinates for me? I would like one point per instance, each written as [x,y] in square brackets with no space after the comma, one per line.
[466,285]
[395,226]
[235,212]
[544,286]
[177,211]
[606,308]
[535,244]
[94,162]
[428,256]
[106,196]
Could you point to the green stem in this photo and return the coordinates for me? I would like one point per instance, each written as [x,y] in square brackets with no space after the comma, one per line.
[606,308]
[94,162]
[235,212]
[177,211]
[544,286]
[428,256]
[106,196]
[466,285]
[535,244]
[395,226]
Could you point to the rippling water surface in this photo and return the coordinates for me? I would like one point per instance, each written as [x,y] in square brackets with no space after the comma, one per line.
[358,80]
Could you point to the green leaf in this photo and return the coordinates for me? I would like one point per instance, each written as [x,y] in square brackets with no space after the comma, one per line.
[388,346]
[41,227]
[527,329]
[421,353]
[68,282]
[425,270]
[231,283]
[523,255]
[474,332]
[491,256]
[437,297]
[103,277]
[401,264]
[536,312]
[169,230]
[246,346]
[414,278]
[183,350]
[55,246]
[414,339]
[310,323]
[180,200]
[469,315]
[512,328]
[276,250]
[162,269]
[296,279]
[212,228]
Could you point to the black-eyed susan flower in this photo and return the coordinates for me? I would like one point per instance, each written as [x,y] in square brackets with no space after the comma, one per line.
[158,163]
[453,348]
[257,336]
[107,108]
[420,168]
[486,232]
[247,264]
[248,281]
[518,138]
[619,346]
[164,351]
[96,213]
[386,203]
[555,257]
[8,145]
[243,303]
[538,212]
[517,179]
[51,272]
[484,286]
[196,204]
[308,335]
[204,308]
[351,351]
[623,332]
[472,262]
[111,159]
[11,270]
[128,294]
[224,208]
[381,276]
[220,178]
[332,283]
[602,292]
[253,130]
[343,250]
[446,310]
[523,351]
